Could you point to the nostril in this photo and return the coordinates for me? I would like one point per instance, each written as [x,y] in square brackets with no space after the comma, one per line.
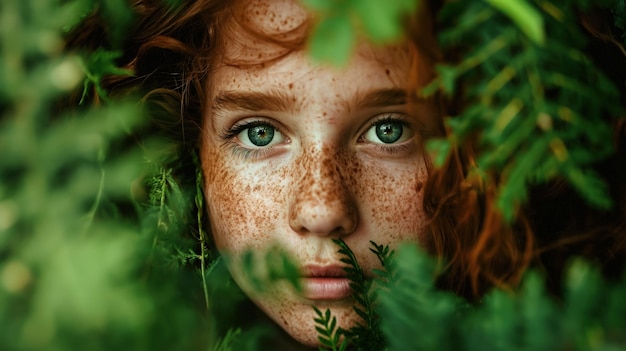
[313,215]
[318,225]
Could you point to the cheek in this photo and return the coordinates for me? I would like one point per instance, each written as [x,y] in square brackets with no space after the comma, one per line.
[391,201]
[243,202]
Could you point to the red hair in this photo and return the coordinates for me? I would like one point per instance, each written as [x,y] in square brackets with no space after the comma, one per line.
[481,250]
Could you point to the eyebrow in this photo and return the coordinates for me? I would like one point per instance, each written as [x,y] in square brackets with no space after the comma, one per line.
[382,98]
[274,100]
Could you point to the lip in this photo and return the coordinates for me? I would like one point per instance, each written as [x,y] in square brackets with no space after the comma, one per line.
[325,283]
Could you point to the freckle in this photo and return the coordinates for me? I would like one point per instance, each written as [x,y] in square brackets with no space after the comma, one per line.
[419,186]
[387,71]
[290,85]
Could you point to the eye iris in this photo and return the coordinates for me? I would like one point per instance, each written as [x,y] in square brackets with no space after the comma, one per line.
[389,132]
[261,135]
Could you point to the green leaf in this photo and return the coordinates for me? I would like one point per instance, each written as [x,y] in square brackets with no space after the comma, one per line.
[225,343]
[323,6]
[591,187]
[332,40]
[527,18]
[96,66]
[447,79]
[383,23]
[439,150]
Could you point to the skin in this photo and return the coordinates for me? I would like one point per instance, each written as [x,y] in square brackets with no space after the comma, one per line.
[325,174]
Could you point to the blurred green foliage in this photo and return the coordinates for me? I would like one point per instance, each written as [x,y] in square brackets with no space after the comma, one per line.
[80,263]
[343,22]
[592,315]
[414,315]
[540,108]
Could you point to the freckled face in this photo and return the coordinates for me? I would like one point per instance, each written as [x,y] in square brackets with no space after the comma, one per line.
[295,154]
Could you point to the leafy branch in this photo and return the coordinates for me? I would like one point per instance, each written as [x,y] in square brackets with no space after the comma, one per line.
[199,200]
[416,315]
[367,336]
[328,333]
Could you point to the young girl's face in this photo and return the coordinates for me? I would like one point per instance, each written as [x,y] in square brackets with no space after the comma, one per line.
[296,153]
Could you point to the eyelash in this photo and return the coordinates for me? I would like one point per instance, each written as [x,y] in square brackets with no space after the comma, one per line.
[229,134]
[392,150]
[239,127]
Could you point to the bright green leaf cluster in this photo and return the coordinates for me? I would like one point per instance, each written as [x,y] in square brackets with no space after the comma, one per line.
[341,22]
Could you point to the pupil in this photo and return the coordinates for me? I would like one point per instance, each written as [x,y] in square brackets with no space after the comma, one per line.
[261,135]
[389,132]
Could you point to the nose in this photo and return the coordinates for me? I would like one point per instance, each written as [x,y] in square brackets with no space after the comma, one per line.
[323,203]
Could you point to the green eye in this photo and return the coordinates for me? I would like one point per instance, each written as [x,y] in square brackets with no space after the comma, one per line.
[259,135]
[389,132]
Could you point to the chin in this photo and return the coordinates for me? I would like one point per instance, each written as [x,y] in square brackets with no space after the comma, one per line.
[296,316]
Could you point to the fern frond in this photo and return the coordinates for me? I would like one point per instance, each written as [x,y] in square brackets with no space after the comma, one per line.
[329,335]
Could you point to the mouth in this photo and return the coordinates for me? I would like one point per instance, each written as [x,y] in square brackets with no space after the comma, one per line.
[325,283]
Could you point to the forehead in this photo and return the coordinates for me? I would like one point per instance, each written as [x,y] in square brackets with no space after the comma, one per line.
[272,17]
[368,62]
[262,30]
[295,86]
[263,50]
[259,32]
